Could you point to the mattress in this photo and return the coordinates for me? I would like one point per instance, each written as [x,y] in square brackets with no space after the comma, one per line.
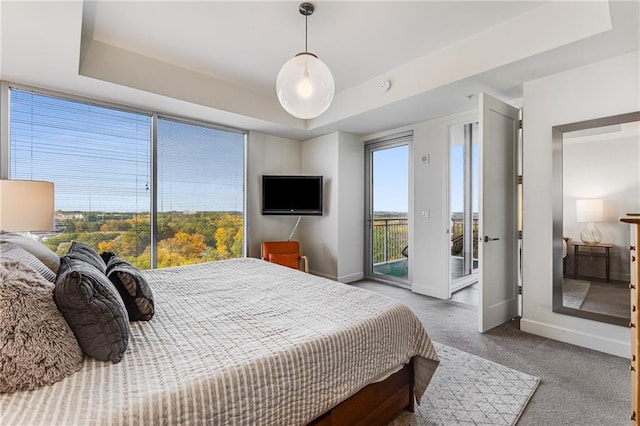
[240,341]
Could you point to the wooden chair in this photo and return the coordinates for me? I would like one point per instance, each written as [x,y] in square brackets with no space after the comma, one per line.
[286,253]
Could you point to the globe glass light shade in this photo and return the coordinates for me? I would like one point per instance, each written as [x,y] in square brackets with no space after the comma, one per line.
[305,86]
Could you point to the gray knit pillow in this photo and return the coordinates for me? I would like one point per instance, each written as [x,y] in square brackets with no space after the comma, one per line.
[93,309]
[37,347]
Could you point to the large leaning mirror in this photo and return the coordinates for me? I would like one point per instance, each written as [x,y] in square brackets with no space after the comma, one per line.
[596,181]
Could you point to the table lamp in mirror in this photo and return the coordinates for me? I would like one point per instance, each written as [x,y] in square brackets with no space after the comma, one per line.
[589,211]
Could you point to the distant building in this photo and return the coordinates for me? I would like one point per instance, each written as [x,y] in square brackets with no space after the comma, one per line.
[67,216]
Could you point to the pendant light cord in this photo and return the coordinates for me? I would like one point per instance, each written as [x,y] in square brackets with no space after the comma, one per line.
[306,19]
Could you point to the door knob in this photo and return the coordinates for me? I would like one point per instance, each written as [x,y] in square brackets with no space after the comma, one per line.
[487,239]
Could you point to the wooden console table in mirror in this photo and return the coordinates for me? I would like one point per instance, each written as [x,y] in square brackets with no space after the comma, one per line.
[600,250]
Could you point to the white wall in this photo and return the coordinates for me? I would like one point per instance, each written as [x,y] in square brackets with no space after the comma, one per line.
[351,202]
[319,234]
[601,89]
[332,242]
[267,155]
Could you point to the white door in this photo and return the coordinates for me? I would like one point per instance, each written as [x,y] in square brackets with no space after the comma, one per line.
[498,213]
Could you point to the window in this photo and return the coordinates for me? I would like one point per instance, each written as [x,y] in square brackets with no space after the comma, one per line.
[100,161]
[200,193]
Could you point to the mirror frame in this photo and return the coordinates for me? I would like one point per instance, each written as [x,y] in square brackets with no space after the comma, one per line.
[558,133]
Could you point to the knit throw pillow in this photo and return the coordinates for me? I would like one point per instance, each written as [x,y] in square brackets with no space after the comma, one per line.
[37,347]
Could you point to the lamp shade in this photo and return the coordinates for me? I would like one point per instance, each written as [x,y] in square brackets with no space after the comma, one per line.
[589,210]
[305,86]
[26,205]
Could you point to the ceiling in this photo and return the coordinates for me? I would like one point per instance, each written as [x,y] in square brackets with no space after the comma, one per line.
[218,61]
[247,42]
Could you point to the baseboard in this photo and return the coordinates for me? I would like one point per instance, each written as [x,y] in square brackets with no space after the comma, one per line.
[349,278]
[343,278]
[578,338]
[323,275]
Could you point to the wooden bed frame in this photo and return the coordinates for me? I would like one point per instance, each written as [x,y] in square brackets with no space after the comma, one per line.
[375,404]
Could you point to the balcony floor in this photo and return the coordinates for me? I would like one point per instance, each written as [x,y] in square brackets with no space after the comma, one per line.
[397,268]
[400,269]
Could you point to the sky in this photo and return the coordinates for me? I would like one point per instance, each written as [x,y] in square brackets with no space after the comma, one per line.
[391,179]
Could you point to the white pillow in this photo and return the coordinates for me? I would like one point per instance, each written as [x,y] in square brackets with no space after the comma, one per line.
[36,248]
[15,252]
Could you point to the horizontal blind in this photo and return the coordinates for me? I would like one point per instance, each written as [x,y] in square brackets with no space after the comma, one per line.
[200,193]
[99,160]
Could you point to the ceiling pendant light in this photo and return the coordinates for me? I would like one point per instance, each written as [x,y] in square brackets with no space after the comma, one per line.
[305,85]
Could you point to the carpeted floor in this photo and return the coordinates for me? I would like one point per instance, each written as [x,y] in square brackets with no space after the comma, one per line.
[596,295]
[608,298]
[578,386]
[467,389]
[574,292]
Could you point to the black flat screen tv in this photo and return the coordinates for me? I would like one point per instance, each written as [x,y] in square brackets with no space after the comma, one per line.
[292,195]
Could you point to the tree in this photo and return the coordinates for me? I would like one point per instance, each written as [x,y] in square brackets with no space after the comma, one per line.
[228,236]
[236,249]
[107,246]
[132,243]
[116,225]
[223,241]
[182,249]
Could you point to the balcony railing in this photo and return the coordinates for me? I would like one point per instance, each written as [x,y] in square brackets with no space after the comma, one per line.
[390,236]
[457,235]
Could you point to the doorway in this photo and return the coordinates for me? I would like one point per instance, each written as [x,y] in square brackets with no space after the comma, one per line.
[387,206]
[463,211]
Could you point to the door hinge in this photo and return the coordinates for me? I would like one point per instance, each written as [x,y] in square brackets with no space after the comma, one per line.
[520,180]
[519,124]
[519,289]
[519,235]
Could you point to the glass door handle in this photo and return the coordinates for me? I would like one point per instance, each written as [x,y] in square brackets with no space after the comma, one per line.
[487,239]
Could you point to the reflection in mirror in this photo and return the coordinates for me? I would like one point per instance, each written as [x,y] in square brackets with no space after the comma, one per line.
[596,181]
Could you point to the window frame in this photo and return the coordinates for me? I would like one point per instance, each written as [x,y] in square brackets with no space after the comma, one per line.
[5,149]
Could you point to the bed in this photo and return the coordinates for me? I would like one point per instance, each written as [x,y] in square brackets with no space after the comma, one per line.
[245,341]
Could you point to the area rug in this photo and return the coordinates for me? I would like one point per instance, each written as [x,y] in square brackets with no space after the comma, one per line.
[469,390]
[574,292]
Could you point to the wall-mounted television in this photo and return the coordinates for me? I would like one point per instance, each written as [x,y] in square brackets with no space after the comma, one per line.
[292,195]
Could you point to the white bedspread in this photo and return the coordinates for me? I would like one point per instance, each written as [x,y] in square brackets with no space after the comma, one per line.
[237,342]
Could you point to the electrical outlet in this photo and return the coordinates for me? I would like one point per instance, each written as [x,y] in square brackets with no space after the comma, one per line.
[426,213]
